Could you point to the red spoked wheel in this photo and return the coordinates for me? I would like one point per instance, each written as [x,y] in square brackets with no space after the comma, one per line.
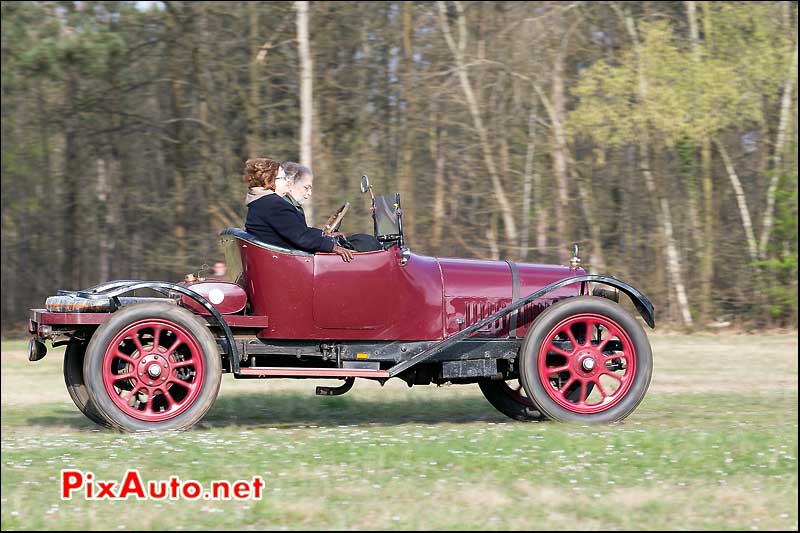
[153,370]
[586,360]
[599,358]
[153,366]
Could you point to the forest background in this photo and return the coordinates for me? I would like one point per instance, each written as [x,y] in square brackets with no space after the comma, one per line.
[659,136]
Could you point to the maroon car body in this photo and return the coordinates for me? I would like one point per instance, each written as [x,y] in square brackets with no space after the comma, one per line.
[537,338]
[375,298]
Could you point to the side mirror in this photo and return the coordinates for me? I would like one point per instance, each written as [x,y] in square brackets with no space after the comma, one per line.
[364,184]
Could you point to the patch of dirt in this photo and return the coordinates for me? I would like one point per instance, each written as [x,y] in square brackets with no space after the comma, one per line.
[723,362]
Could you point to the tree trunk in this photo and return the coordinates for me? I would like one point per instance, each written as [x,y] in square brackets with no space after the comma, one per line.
[674,267]
[701,239]
[741,201]
[458,53]
[107,179]
[491,238]
[437,136]
[362,150]
[181,259]
[306,94]
[176,147]
[199,64]
[527,182]
[497,124]
[597,262]
[786,104]
[72,178]
[254,93]
[557,125]
[560,156]
[405,183]
[664,214]
[707,259]
[46,180]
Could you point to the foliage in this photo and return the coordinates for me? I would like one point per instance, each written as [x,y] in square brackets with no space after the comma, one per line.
[781,269]
[686,96]
[125,126]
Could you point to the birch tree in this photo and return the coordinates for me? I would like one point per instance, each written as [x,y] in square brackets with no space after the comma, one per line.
[458,50]
[780,143]
[618,104]
[306,93]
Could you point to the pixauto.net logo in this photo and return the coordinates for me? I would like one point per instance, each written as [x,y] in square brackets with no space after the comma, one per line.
[84,485]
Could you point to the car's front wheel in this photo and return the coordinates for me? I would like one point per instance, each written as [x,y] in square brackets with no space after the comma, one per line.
[586,360]
[152,366]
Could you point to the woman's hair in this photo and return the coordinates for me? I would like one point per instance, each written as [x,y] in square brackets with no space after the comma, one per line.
[261,172]
[295,171]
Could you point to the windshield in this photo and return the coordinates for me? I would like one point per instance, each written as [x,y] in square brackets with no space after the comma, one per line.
[387,217]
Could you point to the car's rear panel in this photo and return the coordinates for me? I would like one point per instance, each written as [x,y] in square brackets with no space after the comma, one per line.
[372,298]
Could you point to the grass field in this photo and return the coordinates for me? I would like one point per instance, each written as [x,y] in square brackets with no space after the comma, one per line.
[712,446]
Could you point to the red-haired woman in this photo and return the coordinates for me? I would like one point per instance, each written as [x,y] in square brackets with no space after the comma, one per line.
[273,219]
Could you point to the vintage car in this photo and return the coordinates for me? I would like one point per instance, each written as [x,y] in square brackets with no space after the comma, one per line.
[541,341]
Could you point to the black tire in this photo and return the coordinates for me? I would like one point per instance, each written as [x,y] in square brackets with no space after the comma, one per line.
[502,398]
[194,326]
[73,378]
[550,319]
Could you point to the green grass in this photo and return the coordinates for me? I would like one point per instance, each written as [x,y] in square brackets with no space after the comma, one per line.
[711,457]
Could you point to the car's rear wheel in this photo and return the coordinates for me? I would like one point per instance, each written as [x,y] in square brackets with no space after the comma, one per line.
[586,360]
[76,387]
[153,366]
[509,398]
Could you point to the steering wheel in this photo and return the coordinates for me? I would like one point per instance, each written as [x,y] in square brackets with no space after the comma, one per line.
[335,220]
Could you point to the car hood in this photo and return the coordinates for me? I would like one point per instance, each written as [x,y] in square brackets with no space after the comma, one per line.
[494,279]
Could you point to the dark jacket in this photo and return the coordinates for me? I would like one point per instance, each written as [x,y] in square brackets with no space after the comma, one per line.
[273,220]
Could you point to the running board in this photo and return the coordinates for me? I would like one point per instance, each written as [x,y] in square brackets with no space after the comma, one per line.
[292,372]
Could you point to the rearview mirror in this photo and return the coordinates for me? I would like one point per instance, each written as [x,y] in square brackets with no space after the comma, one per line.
[364,184]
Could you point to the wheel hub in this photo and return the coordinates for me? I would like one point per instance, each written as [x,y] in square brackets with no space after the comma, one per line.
[587,363]
[153,370]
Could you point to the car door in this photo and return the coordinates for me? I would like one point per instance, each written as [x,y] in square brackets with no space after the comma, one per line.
[354,295]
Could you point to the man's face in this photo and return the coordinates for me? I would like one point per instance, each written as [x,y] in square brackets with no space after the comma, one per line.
[219,269]
[301,190]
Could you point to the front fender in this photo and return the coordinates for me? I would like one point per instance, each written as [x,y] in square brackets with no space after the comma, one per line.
[640,301]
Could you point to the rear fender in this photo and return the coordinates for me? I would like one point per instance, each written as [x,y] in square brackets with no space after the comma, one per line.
[115,289]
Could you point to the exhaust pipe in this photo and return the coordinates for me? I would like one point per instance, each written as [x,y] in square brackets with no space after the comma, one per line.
[36,349]
[336,391]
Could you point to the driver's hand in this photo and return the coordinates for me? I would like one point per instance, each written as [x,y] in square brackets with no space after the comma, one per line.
[337,234]
[346,254]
